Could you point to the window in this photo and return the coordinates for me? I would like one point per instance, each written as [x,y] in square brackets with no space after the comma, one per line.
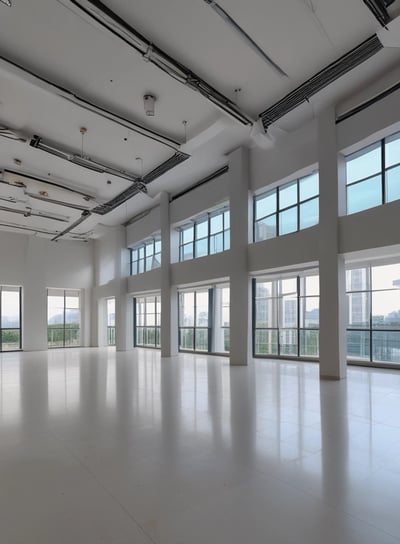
[10,318]
[286,317]
[195,309]
[220,330]
[147,321]
[288,208]
[146,256]
[111,322]
[206,235]
[373,175]
[63,318]
[373,313]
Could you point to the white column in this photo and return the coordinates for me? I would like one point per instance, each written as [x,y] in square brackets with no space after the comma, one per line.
[169,302]
[332,336]
[239,278]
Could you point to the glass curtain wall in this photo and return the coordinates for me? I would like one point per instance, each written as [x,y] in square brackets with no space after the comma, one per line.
[373,313]
[221,331]
[10,318]
[286,316]
[195,320]
[373,175]
[63,318]
[147,321]
[146,256]
[111,322]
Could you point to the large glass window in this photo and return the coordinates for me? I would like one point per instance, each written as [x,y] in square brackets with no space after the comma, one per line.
[221,322]
[286,316]
[63,318]
[10,318]
[373,313]
[195,309]
[146,256]
[148,321]
[373,175]
[288,208]
[205,235]
[111,321]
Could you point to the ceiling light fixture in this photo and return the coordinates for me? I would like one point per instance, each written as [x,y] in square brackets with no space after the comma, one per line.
[149,102]
[81,160]
[116,25]
[6,3]
[244,36]
[9,134]
[85,215]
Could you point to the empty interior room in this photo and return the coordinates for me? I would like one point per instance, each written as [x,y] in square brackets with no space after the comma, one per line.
[199,271]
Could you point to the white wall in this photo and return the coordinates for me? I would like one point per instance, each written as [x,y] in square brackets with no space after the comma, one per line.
[37,264]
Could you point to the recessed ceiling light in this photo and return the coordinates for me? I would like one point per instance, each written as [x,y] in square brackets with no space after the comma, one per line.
[6,3]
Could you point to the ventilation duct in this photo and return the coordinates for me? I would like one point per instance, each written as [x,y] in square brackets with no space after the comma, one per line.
[322,79]
[9,134]
[378,8]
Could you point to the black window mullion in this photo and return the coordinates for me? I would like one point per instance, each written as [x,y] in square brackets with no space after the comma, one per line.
[298,205]
[253,313]
[277,218]
[370,313]
[1,315]
[298,316]
[383,175]
[210,318]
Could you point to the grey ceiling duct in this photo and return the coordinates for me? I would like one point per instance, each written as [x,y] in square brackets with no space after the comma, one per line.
[111,205]
[379,10]
[9,134]
[104,16]
[33,213]
[85,215]
[322,79]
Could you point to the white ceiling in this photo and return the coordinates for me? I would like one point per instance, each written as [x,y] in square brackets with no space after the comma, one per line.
[57,43]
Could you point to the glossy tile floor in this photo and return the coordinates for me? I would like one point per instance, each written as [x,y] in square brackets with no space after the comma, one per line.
[115,448]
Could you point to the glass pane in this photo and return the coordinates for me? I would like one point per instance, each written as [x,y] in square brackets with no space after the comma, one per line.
[385,277]
[158,337]
[149,249]
[288,342]
[72,337]
[134,255]
[216,243]
[202,309]
[392,150]
[226,219]
[227,340]
[158,246]
[227,239]
[141,252]
[364,163]
[288,221]
[186,339]
[309,213]
[10,302]
[55,336]
[139,336]
[72,316]
[358,346]
[201,340]
[386,309]
[141,266]
[358,310]
[201,248]
[309,312]
[364,195]
[309,186]
[265,289]
[149,262]
[288,312]
[289,285]
[311,285]
[266,342]
[309,343]
[111,312]
[55,310]
[392,180]
[216,223]
[357,279]
[151,320]
[265,205]
[187,252]
[10,340]
[186,309]
[386,346]
[202,229]
[287,195]
[267,313]
[187,234]
[265,228]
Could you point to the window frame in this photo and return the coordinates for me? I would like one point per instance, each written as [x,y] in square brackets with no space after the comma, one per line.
[194,327]
[207,217]
[19,329]
[381,144]
[64,327]
[157,328]
[279,211]
[142,248]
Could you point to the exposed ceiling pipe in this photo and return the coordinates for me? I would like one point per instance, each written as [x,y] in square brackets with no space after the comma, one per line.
[85,215]
[33,213]
[378,8]
[113,23]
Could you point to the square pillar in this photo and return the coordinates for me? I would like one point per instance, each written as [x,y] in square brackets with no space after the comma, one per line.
[332,336]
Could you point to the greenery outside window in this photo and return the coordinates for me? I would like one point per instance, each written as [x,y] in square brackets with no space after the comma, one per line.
[147,321]
[10,318]
[63,318]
